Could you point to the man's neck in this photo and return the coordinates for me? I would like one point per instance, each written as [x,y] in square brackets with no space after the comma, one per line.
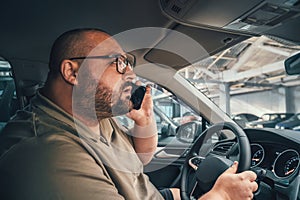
[59,93]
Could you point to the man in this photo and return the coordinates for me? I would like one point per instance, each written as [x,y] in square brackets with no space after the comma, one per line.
[66,145]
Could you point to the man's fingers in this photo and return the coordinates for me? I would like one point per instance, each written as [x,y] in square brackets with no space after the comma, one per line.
[251,196]
[233,168]
[250,175]
[148,98]
[148,89]
[254,186]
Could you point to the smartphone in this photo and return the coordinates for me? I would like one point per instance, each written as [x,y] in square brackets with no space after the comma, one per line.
[137,96]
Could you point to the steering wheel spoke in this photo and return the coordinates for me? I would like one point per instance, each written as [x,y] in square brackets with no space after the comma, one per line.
[194,162]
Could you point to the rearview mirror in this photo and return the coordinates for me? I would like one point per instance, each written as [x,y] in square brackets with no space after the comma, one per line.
[189,131]
[292,64]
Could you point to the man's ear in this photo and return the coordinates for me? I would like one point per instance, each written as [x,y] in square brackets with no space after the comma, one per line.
[69,71]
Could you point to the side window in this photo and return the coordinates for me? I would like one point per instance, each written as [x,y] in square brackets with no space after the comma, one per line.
[8,100]
[265,117]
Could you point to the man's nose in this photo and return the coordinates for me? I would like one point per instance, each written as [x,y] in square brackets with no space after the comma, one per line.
[129,74]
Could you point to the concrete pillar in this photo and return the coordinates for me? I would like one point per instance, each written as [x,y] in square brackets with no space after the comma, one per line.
[289,100]
[225,97]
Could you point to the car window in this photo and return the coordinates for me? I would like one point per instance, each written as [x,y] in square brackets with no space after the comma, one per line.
[266,117]
[273,117]
[283,116]
[8,100]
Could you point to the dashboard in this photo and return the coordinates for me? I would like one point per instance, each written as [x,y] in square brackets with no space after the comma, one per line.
[275,153]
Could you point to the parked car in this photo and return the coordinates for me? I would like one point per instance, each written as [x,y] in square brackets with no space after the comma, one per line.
[297,128]
[243,118]
[269,120]
[292,122]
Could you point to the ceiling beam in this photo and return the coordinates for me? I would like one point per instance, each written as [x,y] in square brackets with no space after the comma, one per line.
[274,50]
[232,76]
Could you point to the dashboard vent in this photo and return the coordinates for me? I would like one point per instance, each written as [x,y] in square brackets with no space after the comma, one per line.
[223,148]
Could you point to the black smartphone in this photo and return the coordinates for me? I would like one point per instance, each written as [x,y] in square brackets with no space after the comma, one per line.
[137,96]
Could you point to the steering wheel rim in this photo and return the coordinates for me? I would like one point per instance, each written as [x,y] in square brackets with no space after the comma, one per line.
[243,145]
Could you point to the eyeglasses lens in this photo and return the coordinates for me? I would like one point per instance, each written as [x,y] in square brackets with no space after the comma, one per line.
[124,61]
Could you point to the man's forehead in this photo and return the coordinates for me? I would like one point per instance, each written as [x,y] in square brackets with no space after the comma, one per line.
[100,45]
[105,45]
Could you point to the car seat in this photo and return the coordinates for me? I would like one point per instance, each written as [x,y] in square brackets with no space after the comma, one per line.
[29,76]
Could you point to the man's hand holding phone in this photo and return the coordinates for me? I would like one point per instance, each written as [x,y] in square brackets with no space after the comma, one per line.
[142,112]
[144,131]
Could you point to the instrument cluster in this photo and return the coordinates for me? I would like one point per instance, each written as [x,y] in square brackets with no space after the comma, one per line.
[282,162]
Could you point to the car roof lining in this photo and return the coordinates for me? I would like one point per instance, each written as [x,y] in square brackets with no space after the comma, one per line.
[30,27]
[261,17]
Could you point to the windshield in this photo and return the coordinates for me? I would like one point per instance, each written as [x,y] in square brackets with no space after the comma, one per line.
[249,78]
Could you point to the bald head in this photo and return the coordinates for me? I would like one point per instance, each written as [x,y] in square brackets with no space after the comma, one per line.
[74,43]
[62,71]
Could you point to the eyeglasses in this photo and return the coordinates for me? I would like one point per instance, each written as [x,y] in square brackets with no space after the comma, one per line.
[121,61]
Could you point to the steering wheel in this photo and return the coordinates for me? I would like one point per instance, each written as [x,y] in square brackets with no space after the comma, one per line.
[199,173]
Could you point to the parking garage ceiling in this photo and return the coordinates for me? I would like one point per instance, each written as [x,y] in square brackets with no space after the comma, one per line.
[253,65]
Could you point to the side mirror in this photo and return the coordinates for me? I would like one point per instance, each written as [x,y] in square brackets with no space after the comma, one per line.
[292,64]
[189,131]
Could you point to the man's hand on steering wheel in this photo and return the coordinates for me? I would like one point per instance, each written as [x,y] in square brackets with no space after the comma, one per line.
[215,175]
[232,185]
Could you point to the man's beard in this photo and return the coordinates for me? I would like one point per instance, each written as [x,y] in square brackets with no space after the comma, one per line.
[93,100]
[110,103]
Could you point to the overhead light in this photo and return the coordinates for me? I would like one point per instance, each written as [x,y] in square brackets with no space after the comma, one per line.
[276,77]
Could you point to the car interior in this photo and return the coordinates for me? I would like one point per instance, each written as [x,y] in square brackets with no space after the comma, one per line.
[213,58]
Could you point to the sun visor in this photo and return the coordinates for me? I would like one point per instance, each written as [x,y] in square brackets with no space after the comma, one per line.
[185,45]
